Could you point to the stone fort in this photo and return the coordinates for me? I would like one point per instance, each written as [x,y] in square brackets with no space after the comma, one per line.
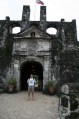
[33,50]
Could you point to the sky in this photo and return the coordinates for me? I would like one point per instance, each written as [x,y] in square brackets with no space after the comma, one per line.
[55,10]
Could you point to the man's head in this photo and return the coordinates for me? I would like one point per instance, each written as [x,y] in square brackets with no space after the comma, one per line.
[31,76]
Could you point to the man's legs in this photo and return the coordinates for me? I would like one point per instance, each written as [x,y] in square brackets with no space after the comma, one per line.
[28,92]
[28,95]
[32,95]
[33,92]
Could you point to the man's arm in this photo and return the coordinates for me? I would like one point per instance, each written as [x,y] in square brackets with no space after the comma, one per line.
[28,81]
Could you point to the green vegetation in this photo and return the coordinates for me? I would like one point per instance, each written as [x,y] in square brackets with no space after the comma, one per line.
[11,81]
[66,40]
[78,96]
[36,78]
[7,48]
[50,83]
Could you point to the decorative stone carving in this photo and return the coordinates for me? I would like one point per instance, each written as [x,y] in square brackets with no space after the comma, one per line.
[32,47]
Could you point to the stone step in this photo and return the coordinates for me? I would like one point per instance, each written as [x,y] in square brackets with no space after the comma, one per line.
[2,91]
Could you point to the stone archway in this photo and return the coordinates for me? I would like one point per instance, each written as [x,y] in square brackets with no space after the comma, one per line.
[26,69]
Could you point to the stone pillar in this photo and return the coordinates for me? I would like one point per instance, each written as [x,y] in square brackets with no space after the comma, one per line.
[7,25]
[17,73]
[6,28]
[62,30]
[63,34]
[10,30]
[46,70]
[74,33]
[25,17]
[43,18]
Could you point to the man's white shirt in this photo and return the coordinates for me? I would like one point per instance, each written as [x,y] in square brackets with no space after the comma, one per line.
[31,81]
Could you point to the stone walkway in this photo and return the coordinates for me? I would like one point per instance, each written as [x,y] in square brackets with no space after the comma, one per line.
[16,106]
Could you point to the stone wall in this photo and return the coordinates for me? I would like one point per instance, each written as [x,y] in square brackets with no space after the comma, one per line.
[63,52]
[69,66]
[30,49]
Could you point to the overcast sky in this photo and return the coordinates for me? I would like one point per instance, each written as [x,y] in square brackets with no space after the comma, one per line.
[56,10]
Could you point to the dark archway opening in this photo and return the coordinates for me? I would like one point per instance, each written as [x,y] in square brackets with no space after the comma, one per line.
[31,67]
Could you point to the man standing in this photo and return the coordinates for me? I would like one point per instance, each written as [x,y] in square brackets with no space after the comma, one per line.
[31,82]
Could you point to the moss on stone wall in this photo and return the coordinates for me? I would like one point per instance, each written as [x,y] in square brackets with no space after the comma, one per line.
[2,24]
[5,58]
[7,48]
[69,63]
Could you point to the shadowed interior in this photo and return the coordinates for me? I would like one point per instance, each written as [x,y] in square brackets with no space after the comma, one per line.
[30,67]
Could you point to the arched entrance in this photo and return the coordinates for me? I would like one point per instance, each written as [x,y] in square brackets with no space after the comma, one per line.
[27,68]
